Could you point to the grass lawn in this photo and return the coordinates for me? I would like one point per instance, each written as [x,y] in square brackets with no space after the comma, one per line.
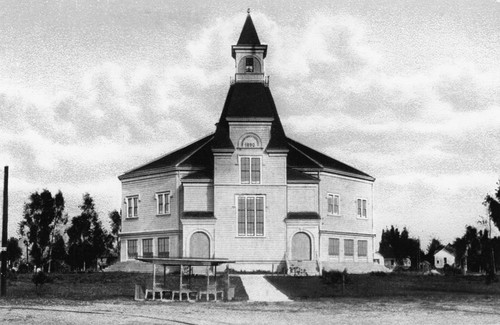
[119,286]
[390,285]
[103,286]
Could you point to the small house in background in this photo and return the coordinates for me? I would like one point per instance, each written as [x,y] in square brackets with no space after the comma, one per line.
[390,261]
[444,256]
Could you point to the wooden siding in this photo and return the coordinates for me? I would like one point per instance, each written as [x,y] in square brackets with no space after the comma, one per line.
[302,198]
[198,197]
[146,189]
[349,190]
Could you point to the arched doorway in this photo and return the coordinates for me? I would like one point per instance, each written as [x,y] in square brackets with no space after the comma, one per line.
[301,247]
[199,245]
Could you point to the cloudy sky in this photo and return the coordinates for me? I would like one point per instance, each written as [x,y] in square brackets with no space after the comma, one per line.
[407,91]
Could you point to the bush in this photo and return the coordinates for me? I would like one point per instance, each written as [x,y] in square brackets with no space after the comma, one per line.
[378,273]
[335,277]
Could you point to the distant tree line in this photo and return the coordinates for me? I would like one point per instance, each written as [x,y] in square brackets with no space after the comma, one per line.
[55,243]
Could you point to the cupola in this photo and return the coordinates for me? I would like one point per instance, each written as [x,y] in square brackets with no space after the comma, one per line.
[249,55]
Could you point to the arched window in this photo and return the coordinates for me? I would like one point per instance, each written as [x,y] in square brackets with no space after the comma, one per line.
[249,64]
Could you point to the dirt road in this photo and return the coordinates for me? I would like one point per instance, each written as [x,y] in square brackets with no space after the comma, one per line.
[345,311]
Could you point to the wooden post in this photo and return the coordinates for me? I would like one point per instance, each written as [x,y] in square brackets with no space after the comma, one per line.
[3,282]
[180,282]
[154,280]
[208,279]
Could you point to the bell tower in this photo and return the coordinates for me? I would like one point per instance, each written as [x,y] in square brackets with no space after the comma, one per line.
[249,55]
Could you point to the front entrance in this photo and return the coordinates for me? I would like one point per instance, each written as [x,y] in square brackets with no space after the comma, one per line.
[301,247]
[199,245]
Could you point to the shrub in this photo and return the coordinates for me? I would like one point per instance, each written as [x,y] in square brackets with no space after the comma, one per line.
[335,277]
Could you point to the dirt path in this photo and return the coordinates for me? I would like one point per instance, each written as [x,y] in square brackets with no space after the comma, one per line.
[345,311]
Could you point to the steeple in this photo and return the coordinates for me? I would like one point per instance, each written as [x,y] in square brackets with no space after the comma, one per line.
[248,34]
[249,55]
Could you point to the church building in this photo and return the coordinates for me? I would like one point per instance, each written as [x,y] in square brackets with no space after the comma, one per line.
[248,192]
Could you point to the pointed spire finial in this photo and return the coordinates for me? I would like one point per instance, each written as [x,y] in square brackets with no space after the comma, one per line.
[248,11]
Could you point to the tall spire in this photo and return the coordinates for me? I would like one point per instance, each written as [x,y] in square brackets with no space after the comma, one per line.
[248,34]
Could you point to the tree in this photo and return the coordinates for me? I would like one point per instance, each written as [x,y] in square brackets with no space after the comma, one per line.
[399,244]
[116,224]
[88,240]
[473,248]
[14,252]
[493,205]
[433,247]
[42,215]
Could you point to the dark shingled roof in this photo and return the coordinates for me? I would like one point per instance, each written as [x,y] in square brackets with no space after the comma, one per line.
[303,215]
[316,159]
[248,34]
[295,176]
[249,101]
[198,215]
[202,175]
[196,154]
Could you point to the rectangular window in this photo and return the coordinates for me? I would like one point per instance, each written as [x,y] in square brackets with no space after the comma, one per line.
[334,204]
[250,215]
[361,208]
[362,248]
[164,247]
[132,203]
[132,248]
[333,246]
[147,247]
[163,203]
[249,65]
[250,170]
[348,247]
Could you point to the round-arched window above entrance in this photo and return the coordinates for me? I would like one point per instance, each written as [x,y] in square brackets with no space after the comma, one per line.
[199,245]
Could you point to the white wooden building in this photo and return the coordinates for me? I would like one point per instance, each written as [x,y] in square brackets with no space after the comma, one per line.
[248,192]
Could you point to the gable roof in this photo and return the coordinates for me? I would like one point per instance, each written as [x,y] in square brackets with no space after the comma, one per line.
[192,155]
[301,156]
[448,248]
[248,34]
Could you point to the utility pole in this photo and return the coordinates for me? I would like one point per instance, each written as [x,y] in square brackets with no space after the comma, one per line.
[3,280]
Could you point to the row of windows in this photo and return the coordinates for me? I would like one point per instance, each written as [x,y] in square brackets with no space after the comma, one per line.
[333,202]
[147,247]
[162,204]
[334,247]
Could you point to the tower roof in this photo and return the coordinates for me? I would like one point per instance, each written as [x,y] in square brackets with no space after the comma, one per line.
[248,34]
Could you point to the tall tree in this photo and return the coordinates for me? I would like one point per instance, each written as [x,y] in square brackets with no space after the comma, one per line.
[433,247]
[493,205]
[88,240]
[116,224]
[14,252]
[400,245]
[42,214]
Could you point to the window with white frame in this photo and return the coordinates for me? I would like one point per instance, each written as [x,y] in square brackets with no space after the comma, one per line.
[250,215]
[333,246]
[362,208]
[348,247]
[147,247]
[334,204]
[164,247]
[163,203]
[362,248]
[132,248]
[132,204]
[250,170]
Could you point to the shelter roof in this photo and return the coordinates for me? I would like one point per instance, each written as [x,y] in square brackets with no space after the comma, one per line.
[185,261]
